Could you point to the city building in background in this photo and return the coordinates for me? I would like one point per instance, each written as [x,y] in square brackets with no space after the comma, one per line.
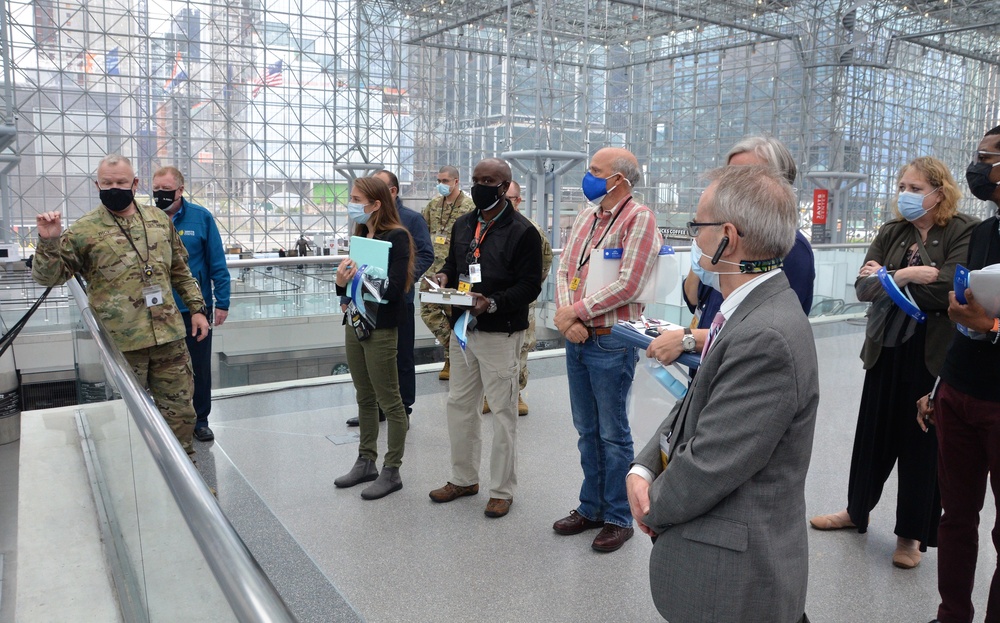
[272,107]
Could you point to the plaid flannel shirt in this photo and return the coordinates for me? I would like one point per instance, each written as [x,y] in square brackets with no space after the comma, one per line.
[635,232]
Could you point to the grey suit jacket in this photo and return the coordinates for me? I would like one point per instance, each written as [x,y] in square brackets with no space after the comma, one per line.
[730,507]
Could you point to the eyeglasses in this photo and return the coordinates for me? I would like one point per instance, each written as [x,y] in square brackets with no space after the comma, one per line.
[693,228]
[987,153]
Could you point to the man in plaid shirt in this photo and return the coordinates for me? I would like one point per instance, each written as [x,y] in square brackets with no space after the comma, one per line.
[600,367]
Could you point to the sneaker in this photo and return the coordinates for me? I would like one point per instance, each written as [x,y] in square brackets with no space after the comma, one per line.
[451,492]
[497,507]
[204,434]
[445,372]
[522,406]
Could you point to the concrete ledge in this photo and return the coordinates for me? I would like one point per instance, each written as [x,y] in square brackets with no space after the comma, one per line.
[61,572]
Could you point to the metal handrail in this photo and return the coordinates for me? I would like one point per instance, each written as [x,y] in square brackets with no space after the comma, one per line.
[248,590]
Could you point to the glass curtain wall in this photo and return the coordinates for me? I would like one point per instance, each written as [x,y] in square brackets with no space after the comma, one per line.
[267,105]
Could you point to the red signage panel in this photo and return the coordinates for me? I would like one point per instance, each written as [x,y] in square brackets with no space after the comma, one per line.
[820,198]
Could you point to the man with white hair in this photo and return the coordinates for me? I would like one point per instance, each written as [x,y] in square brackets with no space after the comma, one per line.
[721,485]
[704,300]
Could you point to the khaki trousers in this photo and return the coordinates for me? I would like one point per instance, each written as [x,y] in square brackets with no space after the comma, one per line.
[489,366]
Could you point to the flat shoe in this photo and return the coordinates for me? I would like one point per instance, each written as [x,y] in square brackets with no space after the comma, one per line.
[830,522]
[905,558]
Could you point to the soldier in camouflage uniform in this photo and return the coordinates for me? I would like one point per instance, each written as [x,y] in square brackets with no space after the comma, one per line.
[514,195]
[441,213]
[132,258]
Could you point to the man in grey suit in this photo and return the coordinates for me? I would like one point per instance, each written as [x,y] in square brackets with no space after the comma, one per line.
[721,486]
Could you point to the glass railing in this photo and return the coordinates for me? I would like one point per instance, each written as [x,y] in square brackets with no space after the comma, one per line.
[267,288]
[174,555]
[285,320]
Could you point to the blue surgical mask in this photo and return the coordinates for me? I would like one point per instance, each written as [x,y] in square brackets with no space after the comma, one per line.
[708,277]
[596,187]
[356,212]
[444,190]
[911,205]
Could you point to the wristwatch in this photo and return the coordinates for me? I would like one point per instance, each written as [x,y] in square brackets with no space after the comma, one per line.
[203,311]
[493,306]
[688,342]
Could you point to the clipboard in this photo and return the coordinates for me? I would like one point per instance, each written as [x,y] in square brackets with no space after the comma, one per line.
[606,264]
[447,296]
[371,252]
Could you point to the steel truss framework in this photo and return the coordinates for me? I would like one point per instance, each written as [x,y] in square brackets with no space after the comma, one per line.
[262,103]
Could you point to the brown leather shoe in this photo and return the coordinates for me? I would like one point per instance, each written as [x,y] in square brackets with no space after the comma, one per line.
[497,507]
[451,492]
[611,538]
[486,405]
[575,523]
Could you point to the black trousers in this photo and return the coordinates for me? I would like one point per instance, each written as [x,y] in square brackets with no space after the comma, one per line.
[404,358]
[201,363]
[887,435]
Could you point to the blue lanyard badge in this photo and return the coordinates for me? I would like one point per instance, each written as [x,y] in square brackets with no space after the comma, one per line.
[903,301]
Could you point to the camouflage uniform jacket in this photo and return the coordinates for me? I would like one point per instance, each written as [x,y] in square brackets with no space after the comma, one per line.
[546,249]
[95,247]
[440,219]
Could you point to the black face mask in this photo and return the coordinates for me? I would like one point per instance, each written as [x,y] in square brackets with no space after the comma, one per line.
[164,198]
[978,176]
[117,199]
[486,197]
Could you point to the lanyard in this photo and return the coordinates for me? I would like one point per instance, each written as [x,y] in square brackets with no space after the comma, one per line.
[442,222]
[477,241]
[147,269]
[586,246]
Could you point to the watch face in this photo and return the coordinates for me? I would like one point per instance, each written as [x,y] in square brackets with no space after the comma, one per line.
[688,343]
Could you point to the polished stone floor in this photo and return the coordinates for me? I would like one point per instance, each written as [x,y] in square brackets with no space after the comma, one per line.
[337,557]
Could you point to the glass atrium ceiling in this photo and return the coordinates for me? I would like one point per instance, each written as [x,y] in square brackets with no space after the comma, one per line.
[271,107]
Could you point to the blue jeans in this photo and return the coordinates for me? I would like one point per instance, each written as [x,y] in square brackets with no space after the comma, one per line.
[600,373]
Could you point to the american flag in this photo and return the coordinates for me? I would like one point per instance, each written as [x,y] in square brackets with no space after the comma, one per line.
[272,78]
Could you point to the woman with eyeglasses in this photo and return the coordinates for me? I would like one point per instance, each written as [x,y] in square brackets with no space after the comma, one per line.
[371,348]
[904,349]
